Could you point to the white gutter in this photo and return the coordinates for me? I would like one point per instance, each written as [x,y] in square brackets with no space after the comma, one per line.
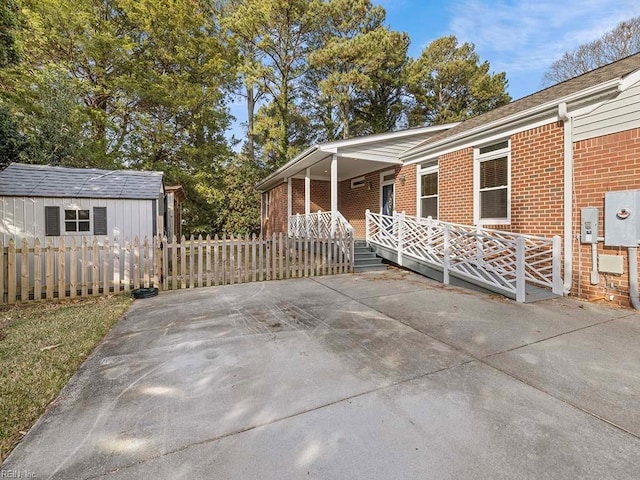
[409,156]
[563,114]
[286,166]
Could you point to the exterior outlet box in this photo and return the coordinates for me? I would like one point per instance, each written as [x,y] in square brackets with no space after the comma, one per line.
[622,218]
[611,264]
[589,225]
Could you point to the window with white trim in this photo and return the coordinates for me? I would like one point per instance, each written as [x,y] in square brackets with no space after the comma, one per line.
[429,191]
[492,174]
[357,182]
[76,220]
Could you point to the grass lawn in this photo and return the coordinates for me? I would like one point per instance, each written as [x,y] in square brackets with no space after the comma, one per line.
[41,346]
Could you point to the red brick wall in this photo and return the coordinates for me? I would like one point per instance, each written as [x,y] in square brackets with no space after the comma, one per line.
[320,195]
[455,183]
[406,194]
[352,203]
[603,164]
[536,183]
[537,192]
[275,220]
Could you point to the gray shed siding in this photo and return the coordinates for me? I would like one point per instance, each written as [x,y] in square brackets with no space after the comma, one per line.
[23,217]
[617,115]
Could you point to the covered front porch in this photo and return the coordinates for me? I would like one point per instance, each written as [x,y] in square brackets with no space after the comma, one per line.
[346,177]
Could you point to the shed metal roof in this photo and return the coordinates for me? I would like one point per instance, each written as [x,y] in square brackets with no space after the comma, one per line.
[19,180]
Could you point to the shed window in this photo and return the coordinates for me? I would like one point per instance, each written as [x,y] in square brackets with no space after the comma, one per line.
[76,221]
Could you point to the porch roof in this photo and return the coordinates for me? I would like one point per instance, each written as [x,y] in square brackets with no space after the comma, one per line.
[356,156]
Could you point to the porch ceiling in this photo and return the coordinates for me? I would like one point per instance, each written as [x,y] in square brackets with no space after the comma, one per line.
[347,168]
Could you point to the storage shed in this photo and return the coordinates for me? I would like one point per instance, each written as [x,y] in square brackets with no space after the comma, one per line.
[39,201]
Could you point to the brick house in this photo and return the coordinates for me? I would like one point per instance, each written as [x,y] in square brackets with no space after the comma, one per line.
[528,167]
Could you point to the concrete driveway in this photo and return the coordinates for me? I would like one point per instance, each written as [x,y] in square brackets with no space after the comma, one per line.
[370,376]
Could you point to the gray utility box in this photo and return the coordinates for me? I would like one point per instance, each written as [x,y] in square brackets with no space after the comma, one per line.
[622,218]
[589,225]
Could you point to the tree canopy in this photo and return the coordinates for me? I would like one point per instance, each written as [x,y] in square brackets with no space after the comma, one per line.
[620,42]
[449,83]
[147,84]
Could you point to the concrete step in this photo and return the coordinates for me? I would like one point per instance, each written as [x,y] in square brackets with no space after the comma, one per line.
[367,261]
[364,255]
[369,267]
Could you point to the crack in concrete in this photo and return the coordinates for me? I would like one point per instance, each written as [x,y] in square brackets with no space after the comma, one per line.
[513,376]
[284,418]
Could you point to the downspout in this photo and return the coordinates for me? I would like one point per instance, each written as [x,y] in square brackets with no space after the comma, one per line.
[633,277]
[568,196]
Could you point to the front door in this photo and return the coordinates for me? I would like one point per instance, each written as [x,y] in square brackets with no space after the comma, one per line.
[387,199]
[387,180]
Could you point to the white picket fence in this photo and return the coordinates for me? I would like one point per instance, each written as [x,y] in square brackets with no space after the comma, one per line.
[93,267]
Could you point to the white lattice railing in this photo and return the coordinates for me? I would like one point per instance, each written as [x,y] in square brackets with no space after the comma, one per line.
[324,225]
[499,260]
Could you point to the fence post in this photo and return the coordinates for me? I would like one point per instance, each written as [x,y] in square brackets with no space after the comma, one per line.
[2,271]
[24,271]
[11,276]
[367,223]
[479,246]
[401,221]
[520,270]
[37,271]
[447,255]
[558,287]
[62,291]
[352,251]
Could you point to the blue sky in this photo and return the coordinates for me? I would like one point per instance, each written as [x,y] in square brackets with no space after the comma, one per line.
[519,37]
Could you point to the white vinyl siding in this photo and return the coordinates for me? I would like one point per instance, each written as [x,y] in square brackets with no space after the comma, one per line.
[381,151]
[24,217]
[617,115]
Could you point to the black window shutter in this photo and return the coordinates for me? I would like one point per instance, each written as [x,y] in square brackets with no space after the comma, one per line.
[52,221]
[100,220]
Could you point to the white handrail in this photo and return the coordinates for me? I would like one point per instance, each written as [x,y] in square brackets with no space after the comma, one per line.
[501,260]
[324,225]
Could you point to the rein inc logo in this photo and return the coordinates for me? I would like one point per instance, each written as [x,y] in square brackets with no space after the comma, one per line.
[17,474]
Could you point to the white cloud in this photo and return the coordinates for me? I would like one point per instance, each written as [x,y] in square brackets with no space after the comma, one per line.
[526,35]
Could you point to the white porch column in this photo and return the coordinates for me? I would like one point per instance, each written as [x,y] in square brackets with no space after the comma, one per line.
[289,207]
[334,192]
[307,192]
[289,203]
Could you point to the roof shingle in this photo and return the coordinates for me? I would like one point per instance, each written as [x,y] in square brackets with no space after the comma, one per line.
[614,70]
[46,181]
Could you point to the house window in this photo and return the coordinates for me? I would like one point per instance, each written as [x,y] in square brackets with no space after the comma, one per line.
[493,183]
[76,221]
[357,182]
[429,194]
[266,205]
